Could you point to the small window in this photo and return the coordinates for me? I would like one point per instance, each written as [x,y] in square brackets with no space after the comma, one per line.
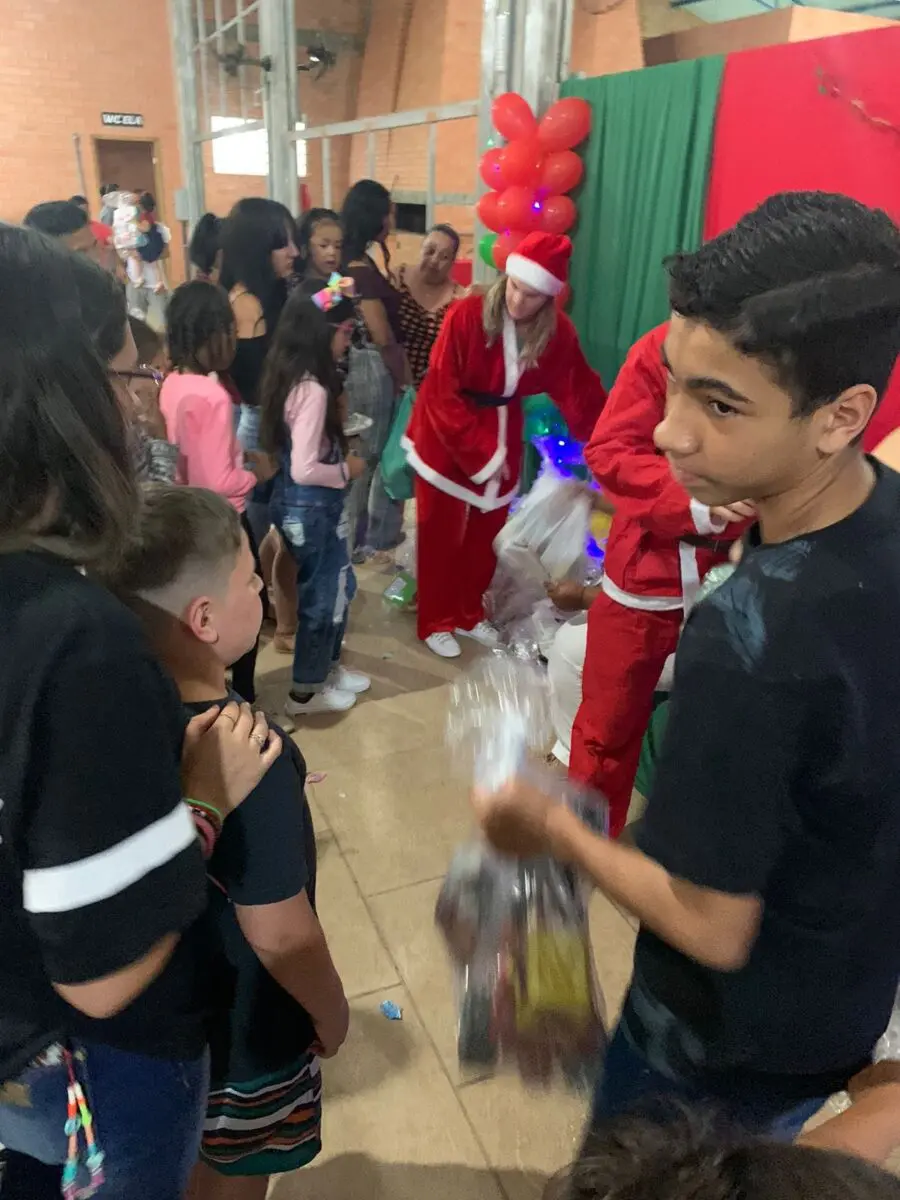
[410,218]
[246,153]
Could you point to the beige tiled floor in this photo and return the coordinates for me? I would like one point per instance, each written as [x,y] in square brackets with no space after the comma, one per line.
[400,1123]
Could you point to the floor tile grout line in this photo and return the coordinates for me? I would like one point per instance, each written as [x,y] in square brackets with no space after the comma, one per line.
[494,1171]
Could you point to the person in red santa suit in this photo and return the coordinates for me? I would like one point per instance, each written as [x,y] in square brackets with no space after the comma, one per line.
[464,440]
[661,544]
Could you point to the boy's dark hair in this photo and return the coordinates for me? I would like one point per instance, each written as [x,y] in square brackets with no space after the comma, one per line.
[146,202]
[251,231]
[449,232]
[66,483]
[198,314]
[206,241]
[56,218]
[306,227]
[106,188]
[809,283]
[179,531]
[81,201]
[365,209]
[692,1158]
[147,340]
[301,347]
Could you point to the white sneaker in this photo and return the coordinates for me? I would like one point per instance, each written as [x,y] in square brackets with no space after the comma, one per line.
[329,700]
[484,633]
[444,645]
[349,681]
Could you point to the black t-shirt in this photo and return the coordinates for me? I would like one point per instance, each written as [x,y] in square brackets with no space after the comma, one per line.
[780,776]
[98,855]
[266,853]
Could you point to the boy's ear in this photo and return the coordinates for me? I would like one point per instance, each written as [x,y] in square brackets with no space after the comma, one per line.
[845,419]
[199,618]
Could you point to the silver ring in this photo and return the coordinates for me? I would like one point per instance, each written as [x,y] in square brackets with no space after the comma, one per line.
[260,741]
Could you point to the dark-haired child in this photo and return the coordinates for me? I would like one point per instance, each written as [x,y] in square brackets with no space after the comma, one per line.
[766,875]
[199,414]
[205,250]
[320,241]
[276,1002]
[302,423]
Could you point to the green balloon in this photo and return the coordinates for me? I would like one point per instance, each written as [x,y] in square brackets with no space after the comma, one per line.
[486,248]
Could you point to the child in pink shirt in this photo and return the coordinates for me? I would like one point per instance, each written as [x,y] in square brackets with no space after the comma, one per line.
[199,415]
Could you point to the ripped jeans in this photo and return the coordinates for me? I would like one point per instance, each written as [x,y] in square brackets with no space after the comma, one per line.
[314,527]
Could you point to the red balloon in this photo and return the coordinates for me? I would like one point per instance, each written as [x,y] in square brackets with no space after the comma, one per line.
[504,246]
[489,169]
[557,214]
[520,163]
[488,215]
[512,116]
[561,172]
[517,209]
[565,124]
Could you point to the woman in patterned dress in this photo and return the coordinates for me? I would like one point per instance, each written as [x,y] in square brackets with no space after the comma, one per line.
[427,292]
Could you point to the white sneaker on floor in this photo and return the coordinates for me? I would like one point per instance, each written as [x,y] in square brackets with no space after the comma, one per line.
[346,680]
[484,633]
[329,700]
[444,645]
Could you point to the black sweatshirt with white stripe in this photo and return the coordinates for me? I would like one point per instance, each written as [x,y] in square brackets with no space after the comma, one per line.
[98,857]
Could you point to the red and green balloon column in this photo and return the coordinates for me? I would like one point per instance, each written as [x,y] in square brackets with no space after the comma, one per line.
[529,177]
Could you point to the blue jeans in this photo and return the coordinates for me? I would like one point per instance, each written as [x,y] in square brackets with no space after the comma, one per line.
[312,522]
[148,1118]
[630,1083]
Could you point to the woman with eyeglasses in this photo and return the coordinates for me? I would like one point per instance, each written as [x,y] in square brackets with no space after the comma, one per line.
[136,385]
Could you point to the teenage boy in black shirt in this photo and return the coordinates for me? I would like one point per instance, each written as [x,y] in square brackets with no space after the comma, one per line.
[767,873]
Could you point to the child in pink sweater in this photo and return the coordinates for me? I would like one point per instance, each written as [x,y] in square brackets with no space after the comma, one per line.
[302,422]
[199,413]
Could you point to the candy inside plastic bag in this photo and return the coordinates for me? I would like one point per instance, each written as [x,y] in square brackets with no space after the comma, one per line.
[517,931]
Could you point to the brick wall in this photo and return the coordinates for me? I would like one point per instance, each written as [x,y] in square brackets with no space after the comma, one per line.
[62,63]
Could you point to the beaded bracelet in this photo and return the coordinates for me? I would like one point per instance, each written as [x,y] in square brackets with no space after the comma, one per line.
[211,812]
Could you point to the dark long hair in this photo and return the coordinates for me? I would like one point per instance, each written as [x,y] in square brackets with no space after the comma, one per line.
[66,483]
[366,208]
[206,241]
[301,347]
[251,231]
[199,318]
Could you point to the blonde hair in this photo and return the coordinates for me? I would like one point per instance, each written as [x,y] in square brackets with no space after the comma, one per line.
[536,334]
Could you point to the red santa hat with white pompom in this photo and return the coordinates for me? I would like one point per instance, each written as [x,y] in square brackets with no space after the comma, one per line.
[541,262]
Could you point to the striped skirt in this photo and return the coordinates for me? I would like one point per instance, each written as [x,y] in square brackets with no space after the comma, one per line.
[267,1126]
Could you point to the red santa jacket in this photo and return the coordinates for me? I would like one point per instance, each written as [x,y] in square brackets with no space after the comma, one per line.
[465,444]
[648,563]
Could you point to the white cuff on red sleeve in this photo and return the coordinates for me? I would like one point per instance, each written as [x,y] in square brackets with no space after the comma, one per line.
[704,522]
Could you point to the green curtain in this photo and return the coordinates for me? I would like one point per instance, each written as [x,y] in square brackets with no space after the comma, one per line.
[646,167]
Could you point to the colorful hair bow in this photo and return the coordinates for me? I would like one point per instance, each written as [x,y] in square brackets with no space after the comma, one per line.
[338,288]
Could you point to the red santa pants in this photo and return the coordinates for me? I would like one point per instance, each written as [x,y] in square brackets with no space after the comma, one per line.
[455,559]
[626,651]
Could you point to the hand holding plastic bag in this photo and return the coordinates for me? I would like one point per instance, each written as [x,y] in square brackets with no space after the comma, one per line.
[517,928]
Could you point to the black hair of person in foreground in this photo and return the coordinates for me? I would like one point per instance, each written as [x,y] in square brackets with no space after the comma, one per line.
[695,1157]
[767,961]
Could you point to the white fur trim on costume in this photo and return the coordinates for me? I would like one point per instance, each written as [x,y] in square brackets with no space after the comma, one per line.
[645,603]
[450,487]
[533,275]
[491,467]
[690,575]
[704,522]
[512,364]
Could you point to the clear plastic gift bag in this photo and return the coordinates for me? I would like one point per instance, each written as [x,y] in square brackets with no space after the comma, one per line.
[517,930]
[545,540]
